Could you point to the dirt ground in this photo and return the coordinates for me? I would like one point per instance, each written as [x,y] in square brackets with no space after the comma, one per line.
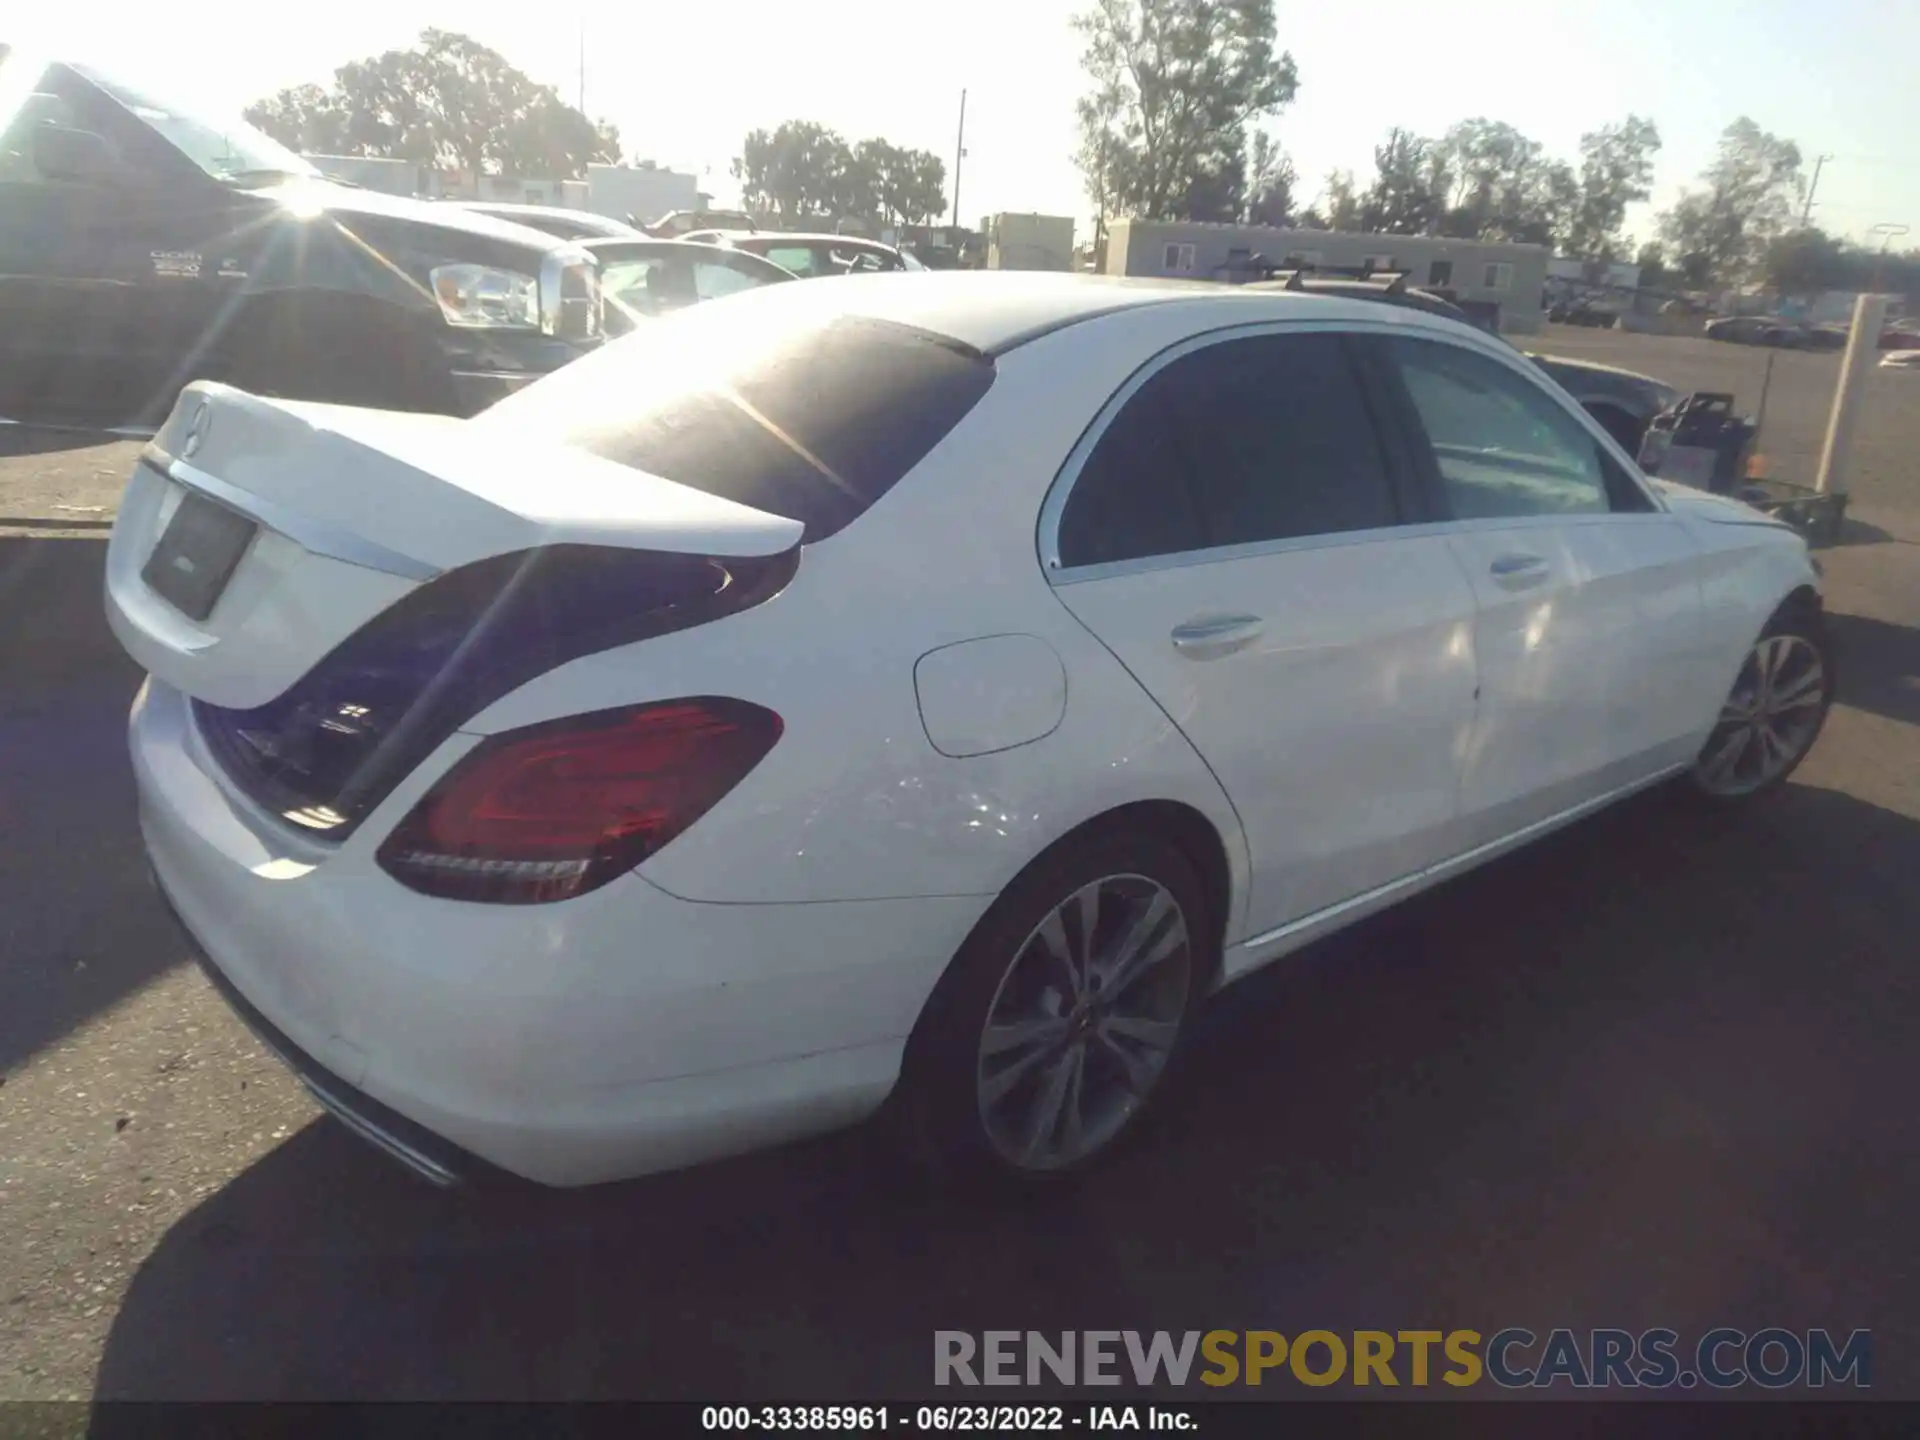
[1655,1071]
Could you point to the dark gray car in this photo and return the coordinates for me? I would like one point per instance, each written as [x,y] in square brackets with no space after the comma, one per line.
[143,246]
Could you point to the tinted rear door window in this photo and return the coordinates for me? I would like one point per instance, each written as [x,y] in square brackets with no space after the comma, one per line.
[1280,440]
[1267,437]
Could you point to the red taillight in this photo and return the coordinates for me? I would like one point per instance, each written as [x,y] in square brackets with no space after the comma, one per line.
[555,810]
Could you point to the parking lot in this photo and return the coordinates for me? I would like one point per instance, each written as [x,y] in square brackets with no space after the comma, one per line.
[1655,1071]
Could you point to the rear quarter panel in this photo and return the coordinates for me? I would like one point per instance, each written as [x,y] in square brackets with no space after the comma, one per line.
[855,802]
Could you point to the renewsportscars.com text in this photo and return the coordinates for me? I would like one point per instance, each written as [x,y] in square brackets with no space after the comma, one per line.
[1514,1358]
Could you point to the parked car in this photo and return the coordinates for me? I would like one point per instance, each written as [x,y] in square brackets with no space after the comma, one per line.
[814,256]
[1622,401]
[922,691]
[676,224]
[142,245]
[1900,360]
[1758,330]
[643,279]
[1581,314]
[554,220]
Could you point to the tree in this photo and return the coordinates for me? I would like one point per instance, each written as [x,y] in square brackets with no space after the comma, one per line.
[796,170]
[1500,185]
[1651,259]
[449,101]
[1616,169]
[304,118]
[905,186]
[1339,207]
[1175,84]
[1805,262]
[1720,231]
[1405,197]
[802,168]
[1270,181]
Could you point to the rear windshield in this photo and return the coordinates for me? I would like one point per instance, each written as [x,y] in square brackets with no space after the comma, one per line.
[811,418]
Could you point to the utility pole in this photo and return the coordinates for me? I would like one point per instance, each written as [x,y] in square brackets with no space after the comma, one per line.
[583,67]
[1886,233]
[1869,311]
[1806,211]
[959,154]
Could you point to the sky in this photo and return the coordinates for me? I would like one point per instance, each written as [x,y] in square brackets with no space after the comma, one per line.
[684,82]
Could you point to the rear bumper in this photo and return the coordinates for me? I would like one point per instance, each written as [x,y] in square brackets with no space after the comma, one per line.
[613,1035]
[420,1150]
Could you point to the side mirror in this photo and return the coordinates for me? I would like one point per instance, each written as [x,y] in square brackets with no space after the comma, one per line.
[63,154]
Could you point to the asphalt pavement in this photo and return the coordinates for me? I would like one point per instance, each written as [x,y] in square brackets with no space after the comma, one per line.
[1657,1070]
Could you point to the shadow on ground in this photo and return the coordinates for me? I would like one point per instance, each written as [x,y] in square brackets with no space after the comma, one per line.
[1656,1071]
[66,800]
[18,440]
[1878,664]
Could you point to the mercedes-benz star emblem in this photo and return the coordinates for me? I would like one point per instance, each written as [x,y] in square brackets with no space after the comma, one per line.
[196,430]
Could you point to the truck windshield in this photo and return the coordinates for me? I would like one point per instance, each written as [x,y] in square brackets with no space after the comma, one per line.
[227,148]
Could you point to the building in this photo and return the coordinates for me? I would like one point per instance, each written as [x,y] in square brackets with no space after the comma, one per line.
[1029,242]
[1613,274]
[618,191]
[1500,282]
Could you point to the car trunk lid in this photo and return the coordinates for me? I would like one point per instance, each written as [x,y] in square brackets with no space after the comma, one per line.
[338,590]
[306,521]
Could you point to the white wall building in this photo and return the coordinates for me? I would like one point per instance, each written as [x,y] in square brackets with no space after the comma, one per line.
[1029,242]
[618,191]
[1500,282]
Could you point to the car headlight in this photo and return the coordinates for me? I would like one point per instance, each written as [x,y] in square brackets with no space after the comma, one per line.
[484,297]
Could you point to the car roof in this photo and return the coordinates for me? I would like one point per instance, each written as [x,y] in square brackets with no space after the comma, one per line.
[811,237]
[994,311]
[557,212]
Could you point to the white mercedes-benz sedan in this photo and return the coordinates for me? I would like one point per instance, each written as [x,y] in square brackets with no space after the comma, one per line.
[919,694]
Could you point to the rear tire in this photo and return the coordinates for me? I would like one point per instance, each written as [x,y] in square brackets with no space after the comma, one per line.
[1774,713]
[1061,1016]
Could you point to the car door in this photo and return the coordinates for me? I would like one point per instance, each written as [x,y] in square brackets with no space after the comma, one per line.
[1233,530]
[1588,628]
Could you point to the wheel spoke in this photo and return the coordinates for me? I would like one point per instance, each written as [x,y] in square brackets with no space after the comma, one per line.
[996,1087]
[1772,653]
[1154,1034]
[1022,1034]
[1773,750]
[1160,932]
[1051,1100]
[1085,906]
[1803,690]
[1719,763]
[1138,1068]
[1053,934]
[1073,1130]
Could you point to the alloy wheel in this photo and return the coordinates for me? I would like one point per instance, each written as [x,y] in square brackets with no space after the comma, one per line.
[1770,719]
[1084,1021]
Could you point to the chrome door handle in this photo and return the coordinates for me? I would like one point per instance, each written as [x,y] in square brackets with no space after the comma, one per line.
[1211,636]
[1517,572]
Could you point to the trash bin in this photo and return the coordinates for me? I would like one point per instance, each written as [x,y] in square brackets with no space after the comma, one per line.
[1700,442]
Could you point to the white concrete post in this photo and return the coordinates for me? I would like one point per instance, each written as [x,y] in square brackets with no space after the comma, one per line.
[1869,312]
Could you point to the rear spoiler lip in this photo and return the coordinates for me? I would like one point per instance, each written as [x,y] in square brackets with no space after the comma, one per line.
[318,537]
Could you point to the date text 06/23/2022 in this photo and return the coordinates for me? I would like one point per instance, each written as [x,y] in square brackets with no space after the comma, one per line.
[1722,1358]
